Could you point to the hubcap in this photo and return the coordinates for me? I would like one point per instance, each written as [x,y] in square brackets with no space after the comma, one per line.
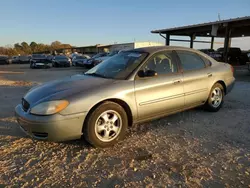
[216,97]
[108,126]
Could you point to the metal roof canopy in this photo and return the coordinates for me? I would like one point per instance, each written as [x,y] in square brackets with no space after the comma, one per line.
[231,28]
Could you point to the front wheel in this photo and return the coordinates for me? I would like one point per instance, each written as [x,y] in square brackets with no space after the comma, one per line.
[31,65]
[106,125]
[216,98]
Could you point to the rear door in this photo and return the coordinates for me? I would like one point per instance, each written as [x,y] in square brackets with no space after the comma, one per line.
[196,76]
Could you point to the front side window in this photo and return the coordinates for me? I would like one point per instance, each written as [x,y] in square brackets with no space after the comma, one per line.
[161,63]
[190,61]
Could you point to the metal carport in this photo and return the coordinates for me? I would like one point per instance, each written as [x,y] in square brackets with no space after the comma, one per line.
[231,28]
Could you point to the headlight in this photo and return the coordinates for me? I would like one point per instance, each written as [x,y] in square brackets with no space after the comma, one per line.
[49,108]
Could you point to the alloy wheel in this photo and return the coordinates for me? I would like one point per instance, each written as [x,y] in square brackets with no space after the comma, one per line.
[108,126]
[216,97]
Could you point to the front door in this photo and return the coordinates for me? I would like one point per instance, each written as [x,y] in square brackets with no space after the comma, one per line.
[196,77]
[160,93]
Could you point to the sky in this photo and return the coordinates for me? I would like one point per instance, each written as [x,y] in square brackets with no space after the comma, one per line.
[85,22]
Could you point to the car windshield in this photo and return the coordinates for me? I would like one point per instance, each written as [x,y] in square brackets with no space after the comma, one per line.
[112,53]
[38,56]
[61,57]
[118,66]
[98,55]
[80,57]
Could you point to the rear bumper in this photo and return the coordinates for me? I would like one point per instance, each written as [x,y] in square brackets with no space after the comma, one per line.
[230,86]
[52,128]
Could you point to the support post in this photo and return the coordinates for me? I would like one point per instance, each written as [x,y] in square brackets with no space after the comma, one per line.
[212,42]
[191,41]
[226,44]
[167,39]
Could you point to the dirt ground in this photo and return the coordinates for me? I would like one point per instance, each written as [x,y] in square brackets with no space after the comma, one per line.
[189,149]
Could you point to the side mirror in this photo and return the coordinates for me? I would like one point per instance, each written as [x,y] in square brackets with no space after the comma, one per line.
[141,73]
[150,73]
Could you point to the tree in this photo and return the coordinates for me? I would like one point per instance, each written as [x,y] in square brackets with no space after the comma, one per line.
[25,45]
[33,45]
[56,45]
[26,48]
[17,46]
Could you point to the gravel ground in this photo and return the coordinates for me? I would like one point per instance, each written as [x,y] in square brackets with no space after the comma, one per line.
[189,149]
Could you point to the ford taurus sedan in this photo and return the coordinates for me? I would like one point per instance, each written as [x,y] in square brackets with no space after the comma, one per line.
[130,87]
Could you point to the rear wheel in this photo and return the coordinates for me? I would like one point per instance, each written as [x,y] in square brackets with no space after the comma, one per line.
[106,125]
[216,98]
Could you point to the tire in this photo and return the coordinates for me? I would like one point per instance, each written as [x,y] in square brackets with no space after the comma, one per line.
[115,130]
[215,99]
[31,66]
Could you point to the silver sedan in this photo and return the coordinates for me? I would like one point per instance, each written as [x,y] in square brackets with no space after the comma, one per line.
[130,87]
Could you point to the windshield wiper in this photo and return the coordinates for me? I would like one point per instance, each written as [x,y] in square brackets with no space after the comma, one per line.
[95,74]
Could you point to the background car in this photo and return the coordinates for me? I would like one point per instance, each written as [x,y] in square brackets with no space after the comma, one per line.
[128,88]
[4,59]
[49,58]
[38,61]
[107,56]
[80,60]
[15,59]
[93,60]
[218,56]
[235,56]
[24,59]
[61,61]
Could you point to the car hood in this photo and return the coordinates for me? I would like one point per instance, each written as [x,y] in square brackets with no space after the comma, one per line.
[61,89]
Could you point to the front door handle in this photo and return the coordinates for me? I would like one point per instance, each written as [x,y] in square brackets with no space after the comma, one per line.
[209,74]
[177,81]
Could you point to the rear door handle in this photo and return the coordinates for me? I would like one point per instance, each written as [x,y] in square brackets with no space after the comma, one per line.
[209,74]
[177,81]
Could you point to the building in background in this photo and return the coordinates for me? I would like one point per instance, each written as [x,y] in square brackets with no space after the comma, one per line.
[133,45]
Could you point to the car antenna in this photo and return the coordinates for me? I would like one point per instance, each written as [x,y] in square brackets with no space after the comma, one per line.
[219,16]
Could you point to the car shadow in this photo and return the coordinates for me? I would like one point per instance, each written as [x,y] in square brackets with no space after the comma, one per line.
[9,127]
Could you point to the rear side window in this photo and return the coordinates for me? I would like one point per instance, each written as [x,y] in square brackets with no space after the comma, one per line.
[190,61]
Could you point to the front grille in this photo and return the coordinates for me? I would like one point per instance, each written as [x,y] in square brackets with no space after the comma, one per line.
[25,105]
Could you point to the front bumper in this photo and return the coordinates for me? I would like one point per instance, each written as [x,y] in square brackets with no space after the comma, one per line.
[52,128]
[62,64]
[40,65]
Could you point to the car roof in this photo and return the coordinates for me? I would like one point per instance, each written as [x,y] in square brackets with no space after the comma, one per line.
[154,49]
